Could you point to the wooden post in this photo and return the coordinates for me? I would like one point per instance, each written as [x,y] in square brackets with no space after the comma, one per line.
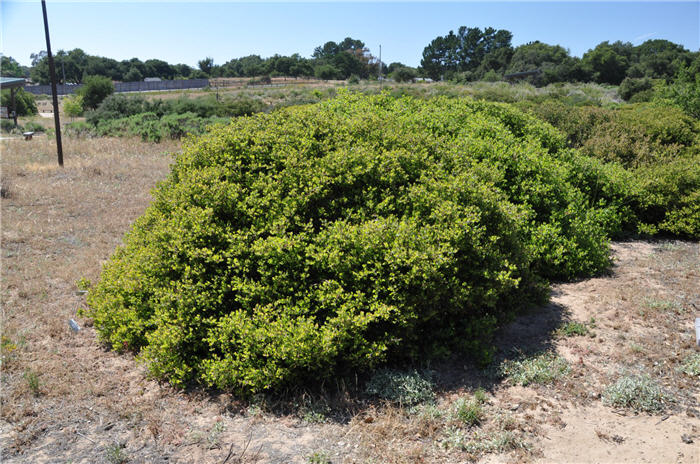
[52,72]
[13,103]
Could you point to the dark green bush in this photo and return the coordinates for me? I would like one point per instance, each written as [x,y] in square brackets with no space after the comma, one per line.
[117,106]
[32,126]
[94,90]
[8,125]
[25,102]
[633,86]
[323,238]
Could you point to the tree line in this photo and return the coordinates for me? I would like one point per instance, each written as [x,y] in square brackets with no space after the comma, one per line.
[341,60]
[470,54]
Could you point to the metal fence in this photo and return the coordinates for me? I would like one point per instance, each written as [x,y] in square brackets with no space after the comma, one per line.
[125,86]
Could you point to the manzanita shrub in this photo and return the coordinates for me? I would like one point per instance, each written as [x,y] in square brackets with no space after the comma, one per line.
[320,239]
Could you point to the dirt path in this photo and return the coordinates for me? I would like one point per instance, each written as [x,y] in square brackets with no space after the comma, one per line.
[66,399]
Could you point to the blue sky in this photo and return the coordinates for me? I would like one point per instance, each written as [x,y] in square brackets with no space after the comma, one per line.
[185,32]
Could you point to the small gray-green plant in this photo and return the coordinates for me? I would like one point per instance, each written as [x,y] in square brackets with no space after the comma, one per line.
[319,457]
[401,387]
[655,304]
[311,416]
[215,434]
[543,368]
[571,329]
[691,365]
[480,395]
[427,411]
[32,381]
[637,392]
[636,348]
[500,442]
[116,455]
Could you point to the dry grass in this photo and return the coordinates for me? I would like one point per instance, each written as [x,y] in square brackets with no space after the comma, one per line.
[58,226]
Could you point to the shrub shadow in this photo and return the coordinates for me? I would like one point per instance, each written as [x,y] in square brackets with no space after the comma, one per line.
[339,400]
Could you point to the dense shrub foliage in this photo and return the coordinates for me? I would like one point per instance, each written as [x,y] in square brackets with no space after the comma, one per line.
[25,102]
[122,115]
[656,144]
[317,239]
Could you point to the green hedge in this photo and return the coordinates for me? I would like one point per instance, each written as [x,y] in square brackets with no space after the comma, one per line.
[320,239]
[658,148]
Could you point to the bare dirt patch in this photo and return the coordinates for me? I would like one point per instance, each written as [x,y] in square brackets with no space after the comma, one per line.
[66,399]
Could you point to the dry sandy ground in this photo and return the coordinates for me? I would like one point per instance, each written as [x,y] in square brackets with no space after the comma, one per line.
[66,399]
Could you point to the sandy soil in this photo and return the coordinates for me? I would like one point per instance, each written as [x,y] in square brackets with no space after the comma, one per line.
[66,399]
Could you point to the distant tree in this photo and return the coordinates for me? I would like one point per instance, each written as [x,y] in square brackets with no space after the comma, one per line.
[251,66]
[403,74]
[326,72]
[328,50]
[38,56]
[133,75]
[608,63]
[94,90]
[206,64]
[9,67]
[183,71]
[553,60]
[39,72]
[158,68]
[471,50]
[303,68]
[659,59]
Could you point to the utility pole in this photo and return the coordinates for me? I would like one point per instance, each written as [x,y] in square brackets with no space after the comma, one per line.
[381,81]
[52,71]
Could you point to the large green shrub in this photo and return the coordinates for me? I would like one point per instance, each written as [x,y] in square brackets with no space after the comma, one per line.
[25,102]
[335,236]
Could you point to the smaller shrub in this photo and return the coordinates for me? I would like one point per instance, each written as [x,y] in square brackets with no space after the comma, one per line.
[639,393]
[79,129]
[261,80]
[691,365]
[116,455]
[632,86]
[404,388]
[543,368]
[32,381]
[8,126]
[319,457]
[571,329]
[73,106]
[32,126]
[468,411]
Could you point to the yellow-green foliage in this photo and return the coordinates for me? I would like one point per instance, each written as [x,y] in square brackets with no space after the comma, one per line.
[659,148]
[312,240]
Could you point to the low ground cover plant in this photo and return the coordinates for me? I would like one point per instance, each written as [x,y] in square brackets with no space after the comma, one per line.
[542,368]
[324,239]
[637,392]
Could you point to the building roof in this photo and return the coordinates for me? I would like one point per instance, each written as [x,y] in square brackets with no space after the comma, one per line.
[10,82]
